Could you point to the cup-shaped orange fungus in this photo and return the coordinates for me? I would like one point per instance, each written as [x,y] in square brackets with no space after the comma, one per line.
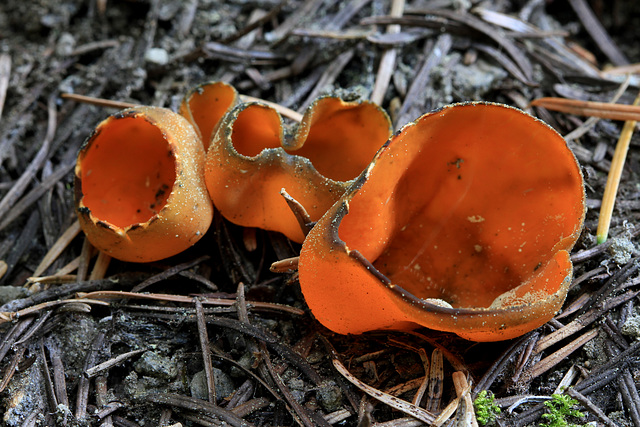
[205,105]
[462,223]
[140,191]
[250,160]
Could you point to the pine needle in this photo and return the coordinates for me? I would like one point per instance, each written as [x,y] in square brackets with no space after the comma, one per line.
[613,180]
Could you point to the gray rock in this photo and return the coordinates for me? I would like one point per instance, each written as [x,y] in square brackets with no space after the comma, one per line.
[23,395]
[631,327]
[621,250]
[223,384]
[10,293]
[154,365]
[329,396]
[157,55]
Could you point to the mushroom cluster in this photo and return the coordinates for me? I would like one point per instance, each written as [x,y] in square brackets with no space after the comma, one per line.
[462,222]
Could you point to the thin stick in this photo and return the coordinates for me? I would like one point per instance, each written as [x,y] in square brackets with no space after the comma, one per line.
[613,180]
[552,360]
[463,391]
[591,121]
[284,111]
[388,61]
[206,352]
[3,268]
[97,369]
[8,316]
[590,406]
[399,404]
[25,179]
[187,299]
[101,102]
[100,267]
[423,386]
[603,110]
[5,74]
[85,258]
[57,248]
[286,265]
[623,69]
[69,268]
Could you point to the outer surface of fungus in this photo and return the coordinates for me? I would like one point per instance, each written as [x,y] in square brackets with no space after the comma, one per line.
[250,160]
[462,223]
[140,192]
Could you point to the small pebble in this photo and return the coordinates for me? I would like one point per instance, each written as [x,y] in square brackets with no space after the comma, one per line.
[157,55]
[153,365]
[223,384]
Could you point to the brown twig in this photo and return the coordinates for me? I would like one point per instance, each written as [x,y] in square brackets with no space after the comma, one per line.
[169,272]
[105,366]
[578,107]
[206,352]
[552,360]
[186,300]
[388,61]
[55,251]
[5,75]
[597,32]
[590,406]
[21,183]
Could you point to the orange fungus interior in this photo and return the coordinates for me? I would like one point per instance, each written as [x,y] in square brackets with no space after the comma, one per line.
[350,133]
[479,200]
[256,128]
[207,105]
[125,183]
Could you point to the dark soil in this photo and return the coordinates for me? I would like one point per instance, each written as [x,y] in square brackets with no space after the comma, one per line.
[273,366]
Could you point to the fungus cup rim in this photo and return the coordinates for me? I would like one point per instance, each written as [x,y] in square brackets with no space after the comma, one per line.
[341,208]
[289,133]
[81,208]
[182,211]
[279,158]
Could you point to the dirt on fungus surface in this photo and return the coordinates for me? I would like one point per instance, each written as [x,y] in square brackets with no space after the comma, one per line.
[132,362]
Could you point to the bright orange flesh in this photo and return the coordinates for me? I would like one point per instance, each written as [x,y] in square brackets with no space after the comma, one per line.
[474,206]
[205,105]
[250,161]
[336,137]
[127,183]
[255,129]
[140,192]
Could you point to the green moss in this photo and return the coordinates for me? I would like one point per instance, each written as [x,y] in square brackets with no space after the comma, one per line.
[560,408]
[486,409]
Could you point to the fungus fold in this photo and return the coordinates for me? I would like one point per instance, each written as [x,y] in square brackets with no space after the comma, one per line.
[463,222]
[251,156]
[139,184]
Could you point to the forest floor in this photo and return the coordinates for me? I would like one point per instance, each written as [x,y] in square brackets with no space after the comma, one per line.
[125,361]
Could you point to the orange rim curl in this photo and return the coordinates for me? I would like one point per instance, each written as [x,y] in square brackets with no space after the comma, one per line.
[250,159]
[463,222]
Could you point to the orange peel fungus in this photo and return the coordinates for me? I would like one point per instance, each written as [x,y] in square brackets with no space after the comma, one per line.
[463,222]
[251,156]
[139,183]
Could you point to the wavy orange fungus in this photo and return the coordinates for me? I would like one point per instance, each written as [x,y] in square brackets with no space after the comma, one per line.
[251,159]
[140,192]
[205,105]
[462,223]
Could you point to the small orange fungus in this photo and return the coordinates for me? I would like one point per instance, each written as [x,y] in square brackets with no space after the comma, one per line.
[205,105]
[140,192]
[250,159]
[463,222]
